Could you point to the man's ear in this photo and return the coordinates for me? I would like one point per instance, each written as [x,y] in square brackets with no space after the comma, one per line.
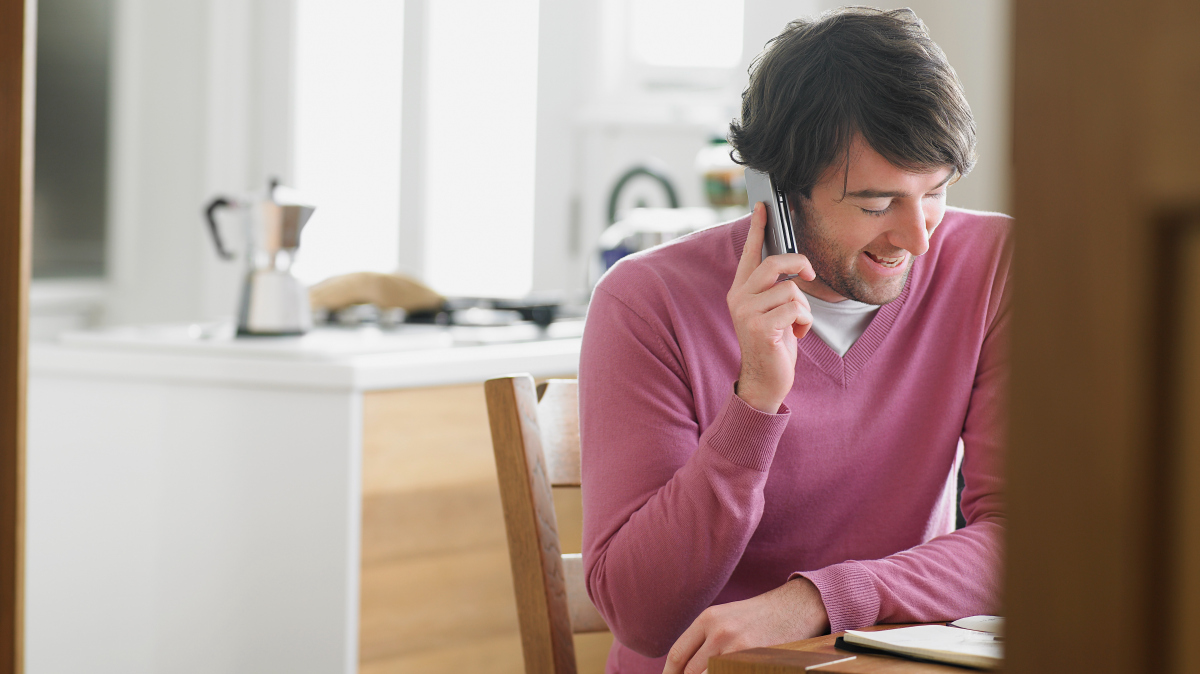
[799,205]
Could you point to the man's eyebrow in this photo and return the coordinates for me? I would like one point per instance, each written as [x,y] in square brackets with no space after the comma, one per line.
[875,194]
[871,193]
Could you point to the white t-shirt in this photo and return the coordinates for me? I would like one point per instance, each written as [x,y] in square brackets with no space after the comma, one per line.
[840,324]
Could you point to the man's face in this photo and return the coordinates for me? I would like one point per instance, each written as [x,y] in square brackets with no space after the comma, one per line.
[861,230]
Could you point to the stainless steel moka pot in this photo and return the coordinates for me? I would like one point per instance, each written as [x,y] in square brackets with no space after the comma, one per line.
[273,301]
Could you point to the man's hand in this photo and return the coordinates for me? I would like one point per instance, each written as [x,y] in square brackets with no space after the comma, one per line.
[768,317]
[788,613]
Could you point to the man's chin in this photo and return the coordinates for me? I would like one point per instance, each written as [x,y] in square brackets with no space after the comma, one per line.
[879,293]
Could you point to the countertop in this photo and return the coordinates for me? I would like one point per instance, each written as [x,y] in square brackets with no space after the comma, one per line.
[358,358]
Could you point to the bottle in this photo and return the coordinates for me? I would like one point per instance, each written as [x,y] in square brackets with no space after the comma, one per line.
[724,179]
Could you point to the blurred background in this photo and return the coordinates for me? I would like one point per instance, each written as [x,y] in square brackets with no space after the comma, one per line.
[473,145]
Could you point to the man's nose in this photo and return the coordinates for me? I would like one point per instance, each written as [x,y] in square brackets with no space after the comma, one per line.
[911,232]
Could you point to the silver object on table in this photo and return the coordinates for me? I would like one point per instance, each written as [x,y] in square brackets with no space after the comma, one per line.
[273,301]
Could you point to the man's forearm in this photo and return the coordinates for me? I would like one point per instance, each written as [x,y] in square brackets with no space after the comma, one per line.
[653,571]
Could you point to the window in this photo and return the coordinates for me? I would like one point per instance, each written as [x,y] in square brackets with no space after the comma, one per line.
[481,141]
[71,163]
[348,66]
[686,33]
[665,45]
[480,105]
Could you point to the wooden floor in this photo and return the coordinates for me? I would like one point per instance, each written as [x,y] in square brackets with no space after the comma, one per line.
[437,590]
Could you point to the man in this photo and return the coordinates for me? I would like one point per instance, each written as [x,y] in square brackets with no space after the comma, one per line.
[747,483]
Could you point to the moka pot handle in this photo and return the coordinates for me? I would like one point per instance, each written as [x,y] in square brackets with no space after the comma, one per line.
[210,214]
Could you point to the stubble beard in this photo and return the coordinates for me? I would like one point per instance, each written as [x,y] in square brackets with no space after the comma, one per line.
[836,268]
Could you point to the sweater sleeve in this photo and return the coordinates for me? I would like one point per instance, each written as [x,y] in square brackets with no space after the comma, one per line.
[957,574]
[668,507]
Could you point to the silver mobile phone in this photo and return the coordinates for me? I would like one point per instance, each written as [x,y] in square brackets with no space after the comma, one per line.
[780,236]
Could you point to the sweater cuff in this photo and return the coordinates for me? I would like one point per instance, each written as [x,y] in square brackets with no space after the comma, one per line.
[746,436]
[848,593]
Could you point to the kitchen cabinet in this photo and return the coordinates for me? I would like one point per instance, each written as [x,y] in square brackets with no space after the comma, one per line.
[317,505]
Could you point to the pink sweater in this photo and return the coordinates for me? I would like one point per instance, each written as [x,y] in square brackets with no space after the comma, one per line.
[693,498]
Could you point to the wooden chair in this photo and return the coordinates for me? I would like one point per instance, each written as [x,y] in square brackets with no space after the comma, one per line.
[537,447]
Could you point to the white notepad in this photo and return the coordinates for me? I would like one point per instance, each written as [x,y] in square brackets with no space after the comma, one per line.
[941,643]
[982,623]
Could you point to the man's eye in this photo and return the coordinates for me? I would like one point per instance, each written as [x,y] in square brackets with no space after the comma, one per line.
[935,195]
[878,212]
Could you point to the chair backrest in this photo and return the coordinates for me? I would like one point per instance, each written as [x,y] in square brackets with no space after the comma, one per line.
[537,447]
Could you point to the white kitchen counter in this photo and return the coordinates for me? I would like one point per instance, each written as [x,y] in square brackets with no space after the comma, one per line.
[359,359]
[194,501]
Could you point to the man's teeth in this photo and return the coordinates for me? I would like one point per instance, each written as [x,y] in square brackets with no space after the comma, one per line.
[889,262]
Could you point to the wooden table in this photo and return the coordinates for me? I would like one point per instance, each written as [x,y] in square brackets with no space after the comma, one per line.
[775,660]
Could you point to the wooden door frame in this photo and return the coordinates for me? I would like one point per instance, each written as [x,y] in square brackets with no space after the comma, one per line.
[1105,180]
[18,32]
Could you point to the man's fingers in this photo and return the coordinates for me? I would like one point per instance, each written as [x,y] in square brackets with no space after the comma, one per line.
[752,251]
[718,642]
[780,293]
[758,274]
[699,661]
[684,648]
[791,314]
[765,302]
[768,271]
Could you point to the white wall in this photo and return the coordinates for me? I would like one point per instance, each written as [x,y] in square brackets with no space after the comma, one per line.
[201,106]
[566,53]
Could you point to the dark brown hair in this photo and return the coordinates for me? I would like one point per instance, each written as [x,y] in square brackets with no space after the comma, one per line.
[854,70]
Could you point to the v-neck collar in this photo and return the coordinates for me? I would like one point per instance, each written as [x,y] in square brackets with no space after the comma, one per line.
[843,368]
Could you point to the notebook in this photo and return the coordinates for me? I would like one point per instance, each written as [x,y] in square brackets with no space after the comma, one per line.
[941,643]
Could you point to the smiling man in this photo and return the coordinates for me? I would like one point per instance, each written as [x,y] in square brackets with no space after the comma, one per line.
[767,461]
